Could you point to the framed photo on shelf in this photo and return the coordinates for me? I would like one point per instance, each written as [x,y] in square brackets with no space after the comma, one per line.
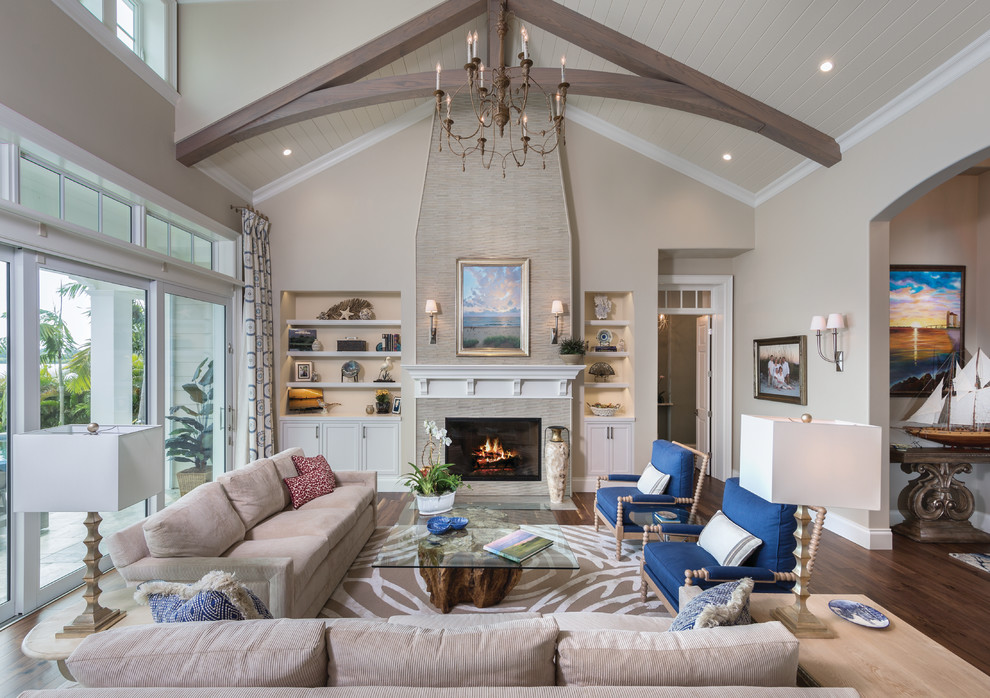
[396,405]
[780,369]
[492,307]
[304,370]
[926,325]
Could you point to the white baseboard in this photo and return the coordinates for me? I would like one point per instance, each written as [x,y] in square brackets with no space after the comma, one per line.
[584,484]
[869,538]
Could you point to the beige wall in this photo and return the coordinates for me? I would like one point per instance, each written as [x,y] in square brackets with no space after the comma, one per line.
[228,61]
[60,77]
[815,255]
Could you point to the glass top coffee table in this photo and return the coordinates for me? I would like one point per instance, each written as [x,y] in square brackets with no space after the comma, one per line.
[455,565]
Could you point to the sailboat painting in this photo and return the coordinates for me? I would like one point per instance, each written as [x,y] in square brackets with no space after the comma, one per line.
[958,410]
[926,326]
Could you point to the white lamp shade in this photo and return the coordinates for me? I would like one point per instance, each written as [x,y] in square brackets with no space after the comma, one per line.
[821,463]
[68,469]
[557,308]
[431,307]
[835,321]
[818,323]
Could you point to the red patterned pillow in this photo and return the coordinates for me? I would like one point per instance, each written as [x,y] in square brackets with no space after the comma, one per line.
[307,487]
[305,465]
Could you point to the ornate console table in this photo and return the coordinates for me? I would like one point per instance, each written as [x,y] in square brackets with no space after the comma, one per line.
[936,504]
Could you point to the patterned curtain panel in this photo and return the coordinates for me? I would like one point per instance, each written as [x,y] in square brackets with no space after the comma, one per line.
[259,341]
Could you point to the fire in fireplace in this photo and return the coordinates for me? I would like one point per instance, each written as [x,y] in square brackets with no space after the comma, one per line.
[494,448]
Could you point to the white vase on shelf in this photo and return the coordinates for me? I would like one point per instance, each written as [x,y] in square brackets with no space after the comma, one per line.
[317,345]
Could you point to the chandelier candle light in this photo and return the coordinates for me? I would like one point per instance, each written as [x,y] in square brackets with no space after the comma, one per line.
[499,107]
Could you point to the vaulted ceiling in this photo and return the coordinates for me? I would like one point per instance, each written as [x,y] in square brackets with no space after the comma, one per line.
[715,77]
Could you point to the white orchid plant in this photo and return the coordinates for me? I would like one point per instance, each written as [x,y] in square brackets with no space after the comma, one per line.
[433,478]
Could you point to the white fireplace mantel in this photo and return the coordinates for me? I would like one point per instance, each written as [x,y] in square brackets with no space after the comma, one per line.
[494,381]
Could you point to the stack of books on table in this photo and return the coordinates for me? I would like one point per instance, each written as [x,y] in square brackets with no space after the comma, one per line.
[518,545]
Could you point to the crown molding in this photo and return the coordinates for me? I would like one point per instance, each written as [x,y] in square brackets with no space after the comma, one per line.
[344,152]
[973,55]
[658,154]
[226,180]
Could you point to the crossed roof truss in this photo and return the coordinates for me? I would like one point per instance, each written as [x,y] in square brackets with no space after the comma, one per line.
[657,79]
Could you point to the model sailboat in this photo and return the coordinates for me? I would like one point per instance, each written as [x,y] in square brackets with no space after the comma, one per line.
[959,417]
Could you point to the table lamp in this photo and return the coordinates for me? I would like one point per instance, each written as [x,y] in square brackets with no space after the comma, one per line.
[87,468]
[797,461]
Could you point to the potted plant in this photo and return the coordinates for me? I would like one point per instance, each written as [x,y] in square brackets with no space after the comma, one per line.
[433,485]
[191,439]
[383,401]
[572,350]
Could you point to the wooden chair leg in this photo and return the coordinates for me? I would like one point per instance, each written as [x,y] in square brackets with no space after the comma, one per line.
[642,581]
[598,522]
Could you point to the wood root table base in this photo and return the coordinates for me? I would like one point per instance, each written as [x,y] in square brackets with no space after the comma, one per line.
[941,531]
[483,586]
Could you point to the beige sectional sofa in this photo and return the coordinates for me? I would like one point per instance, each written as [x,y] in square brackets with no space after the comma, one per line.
[244,523]
[463,656]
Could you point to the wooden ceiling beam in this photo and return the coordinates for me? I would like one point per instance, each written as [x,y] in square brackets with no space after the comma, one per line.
[642,60]
[375,54]
[632,88]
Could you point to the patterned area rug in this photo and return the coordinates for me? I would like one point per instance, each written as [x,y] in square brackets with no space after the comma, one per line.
[601,584]
[981,560]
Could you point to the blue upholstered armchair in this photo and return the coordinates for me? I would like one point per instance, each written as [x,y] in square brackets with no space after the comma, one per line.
[667,565]
[615,507]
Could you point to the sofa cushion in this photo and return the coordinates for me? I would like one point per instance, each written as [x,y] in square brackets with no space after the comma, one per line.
[354,497]
[305,488]
[254,491]
[306,464]
[591,620]
[517,653]
[764,654]
[223,653]
[332,524]
[461,620]
[284,465]
[307,552]
[652,481]
[723,604]
[201,524]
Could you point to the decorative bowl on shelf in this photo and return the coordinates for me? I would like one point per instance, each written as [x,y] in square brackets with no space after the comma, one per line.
[606,409]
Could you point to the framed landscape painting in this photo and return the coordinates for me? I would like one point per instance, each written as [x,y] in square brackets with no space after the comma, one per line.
[492,307]
[926,325]
[780,369]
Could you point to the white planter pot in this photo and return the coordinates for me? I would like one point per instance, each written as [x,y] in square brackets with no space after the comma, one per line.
[428,506]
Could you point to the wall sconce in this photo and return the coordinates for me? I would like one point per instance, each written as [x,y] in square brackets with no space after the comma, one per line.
[431,310]
[557,308]
[835,323]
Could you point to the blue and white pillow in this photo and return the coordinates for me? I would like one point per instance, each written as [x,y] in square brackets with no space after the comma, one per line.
[217,596]
[724,604]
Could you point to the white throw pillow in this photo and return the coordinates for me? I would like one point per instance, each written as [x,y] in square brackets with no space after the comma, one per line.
[652,481]
[726,542]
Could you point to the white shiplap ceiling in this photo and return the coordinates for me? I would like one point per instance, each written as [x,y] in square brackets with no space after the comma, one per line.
[767,49]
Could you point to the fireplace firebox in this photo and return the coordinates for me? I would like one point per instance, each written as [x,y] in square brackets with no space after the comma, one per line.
[494,448]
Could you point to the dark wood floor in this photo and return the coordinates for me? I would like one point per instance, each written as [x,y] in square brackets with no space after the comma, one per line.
[946,599]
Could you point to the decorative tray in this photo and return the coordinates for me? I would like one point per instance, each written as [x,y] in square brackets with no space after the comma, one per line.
[858,613]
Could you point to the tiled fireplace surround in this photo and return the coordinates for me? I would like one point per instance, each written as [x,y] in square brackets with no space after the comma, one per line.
[478,214]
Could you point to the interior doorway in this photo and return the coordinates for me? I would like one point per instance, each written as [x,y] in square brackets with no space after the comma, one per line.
[694,367]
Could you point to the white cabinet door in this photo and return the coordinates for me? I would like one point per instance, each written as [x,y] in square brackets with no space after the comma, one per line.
[305,435]
[622,448]
[598,448]
[380,447]
[342,445]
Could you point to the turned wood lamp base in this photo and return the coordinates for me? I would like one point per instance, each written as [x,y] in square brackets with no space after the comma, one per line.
[95,617]
[797,618]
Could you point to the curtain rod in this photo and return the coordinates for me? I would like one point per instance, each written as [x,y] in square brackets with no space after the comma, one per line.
[248,208]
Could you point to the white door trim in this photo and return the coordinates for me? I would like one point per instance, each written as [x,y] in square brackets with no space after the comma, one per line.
[721,311]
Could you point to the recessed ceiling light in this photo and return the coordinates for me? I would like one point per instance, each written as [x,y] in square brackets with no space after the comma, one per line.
[826,66]
[727,156]
[287,152]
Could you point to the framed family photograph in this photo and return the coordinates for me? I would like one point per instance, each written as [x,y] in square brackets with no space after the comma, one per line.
[926,326]
[304,370]
[780,369]
[492,307]
[396,405]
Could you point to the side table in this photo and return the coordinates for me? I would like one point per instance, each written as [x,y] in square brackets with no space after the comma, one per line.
[895,661]
[41,642]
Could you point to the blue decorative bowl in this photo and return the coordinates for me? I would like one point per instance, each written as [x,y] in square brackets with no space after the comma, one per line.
[438,524]
[458,522]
